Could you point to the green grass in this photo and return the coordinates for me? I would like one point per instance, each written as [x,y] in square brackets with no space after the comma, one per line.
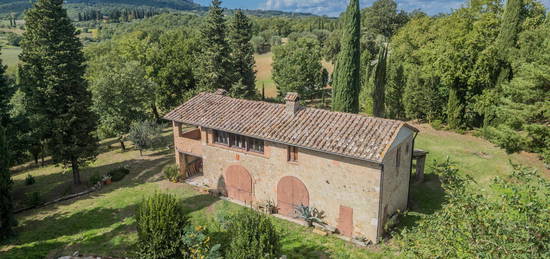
[9,56]
[102,223]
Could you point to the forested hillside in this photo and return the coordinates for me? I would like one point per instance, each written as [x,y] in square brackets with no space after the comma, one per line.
[17,7]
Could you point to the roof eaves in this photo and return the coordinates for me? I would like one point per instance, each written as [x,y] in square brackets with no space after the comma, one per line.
[282,142]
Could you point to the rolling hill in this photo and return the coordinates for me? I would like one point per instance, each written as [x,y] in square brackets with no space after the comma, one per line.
[8,7]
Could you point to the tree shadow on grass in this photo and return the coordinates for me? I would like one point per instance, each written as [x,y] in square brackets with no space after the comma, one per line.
[40,236]
[424,199]
[198,202]
[56,185]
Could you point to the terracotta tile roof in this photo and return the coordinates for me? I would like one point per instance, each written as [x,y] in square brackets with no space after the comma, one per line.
[346,134]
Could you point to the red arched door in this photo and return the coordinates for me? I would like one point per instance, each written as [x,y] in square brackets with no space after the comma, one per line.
[238,183]
[291,192]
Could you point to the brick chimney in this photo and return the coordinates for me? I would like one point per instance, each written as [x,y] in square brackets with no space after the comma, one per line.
[292,100]
[220,91]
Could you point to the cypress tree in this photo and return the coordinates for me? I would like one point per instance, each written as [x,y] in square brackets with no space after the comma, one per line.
[507,39]
[394,95]
[4,94]
[53,76]
[240,34]
[215,66]
[7,220]
[455,108]
[379,91]
[347,78]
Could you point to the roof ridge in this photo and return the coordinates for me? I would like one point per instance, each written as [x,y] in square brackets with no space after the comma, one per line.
[310,108]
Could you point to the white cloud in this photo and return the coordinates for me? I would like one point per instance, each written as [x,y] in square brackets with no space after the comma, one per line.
[335,7]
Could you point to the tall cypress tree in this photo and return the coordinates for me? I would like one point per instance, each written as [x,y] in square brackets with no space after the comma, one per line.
[7,220]
[379,91]
[394,95]
[53,76]
[215,66]
[240,34]
[455,107]
[507,38]
[347,76]
[4,94]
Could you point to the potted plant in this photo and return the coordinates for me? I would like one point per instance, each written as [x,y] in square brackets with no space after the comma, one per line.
[107,179]
[268,207]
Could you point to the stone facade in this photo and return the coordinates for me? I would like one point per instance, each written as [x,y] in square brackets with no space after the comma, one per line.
[369,191]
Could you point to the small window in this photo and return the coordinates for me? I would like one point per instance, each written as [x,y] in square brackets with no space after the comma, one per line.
[221,137]
[238,141]
[407,149]
[255,145]
[398,157]
[292,154]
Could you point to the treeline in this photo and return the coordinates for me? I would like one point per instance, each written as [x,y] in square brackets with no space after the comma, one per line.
[484,66]
[117,14]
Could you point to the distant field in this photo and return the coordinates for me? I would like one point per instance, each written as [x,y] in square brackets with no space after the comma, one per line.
[9,56]
[264,67]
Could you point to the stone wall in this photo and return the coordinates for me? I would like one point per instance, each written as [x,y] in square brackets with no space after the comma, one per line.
[332,181]
[395,186]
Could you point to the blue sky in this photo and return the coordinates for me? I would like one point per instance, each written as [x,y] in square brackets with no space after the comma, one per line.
[335,7]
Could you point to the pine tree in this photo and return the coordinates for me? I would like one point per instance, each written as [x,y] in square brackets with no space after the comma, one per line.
[7,220]
[379,91]
[347,78]
[215,67]
[53,76]
[240,34]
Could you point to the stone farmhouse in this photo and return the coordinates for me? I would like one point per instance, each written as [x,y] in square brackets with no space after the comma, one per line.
[355,168]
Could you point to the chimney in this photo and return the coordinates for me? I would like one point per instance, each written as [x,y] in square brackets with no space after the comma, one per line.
[292,105]
[220,91]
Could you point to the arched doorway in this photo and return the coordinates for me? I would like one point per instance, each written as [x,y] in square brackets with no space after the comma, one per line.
[291,192]
[238,183]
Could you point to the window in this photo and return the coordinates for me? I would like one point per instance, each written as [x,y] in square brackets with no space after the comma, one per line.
[221,137]
[239,141]
[255,145]
[292,154]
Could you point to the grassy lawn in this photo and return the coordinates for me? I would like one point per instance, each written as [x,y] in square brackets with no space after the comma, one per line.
[10,55]
[102,223]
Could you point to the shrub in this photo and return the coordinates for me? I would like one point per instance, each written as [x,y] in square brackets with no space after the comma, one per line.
[197,244]
[34,199]
[29,180]
[94,179]
[437,124]
[253,236]
[118,174]
[505,137]
[510,221]
[160,224]
[172,173]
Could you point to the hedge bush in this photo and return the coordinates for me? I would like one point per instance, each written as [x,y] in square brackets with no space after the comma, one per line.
[510,221]
[252,236]
[118,174]
[161,224]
